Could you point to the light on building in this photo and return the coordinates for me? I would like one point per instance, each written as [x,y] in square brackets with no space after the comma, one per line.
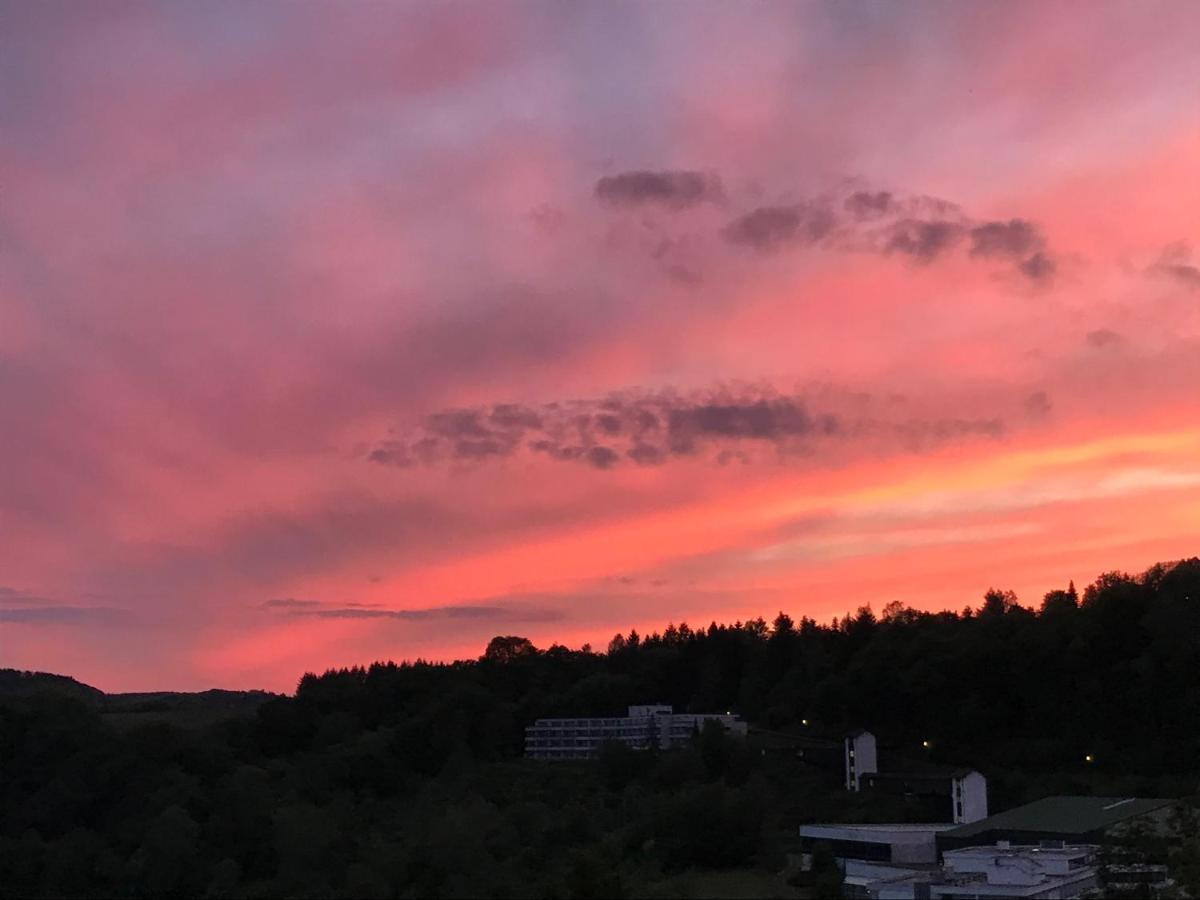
[804,721]
[926,744]
[1089,758]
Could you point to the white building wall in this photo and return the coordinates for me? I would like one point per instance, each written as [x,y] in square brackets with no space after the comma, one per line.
[860,758]
[969,796]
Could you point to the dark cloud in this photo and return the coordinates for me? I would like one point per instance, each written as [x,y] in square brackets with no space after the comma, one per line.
[1104,337]
[924,241]
[1176,263]
[922,228]
[457,423]
[64,615]
[651,428]
[645,455]
[392,453]
[26,608]
[290,603]
[1185,274]
[608,423]
[1039,268]
[12,596]
[918,434]
[761,420]
[508,415]
[869,204]
[603,457]
[673,189]
[434,614]
[553,449]
[1018,240]
[1038,404]
[772,227]
[1013,239]
[481,449]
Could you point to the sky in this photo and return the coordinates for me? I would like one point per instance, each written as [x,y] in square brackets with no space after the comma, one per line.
[331,334]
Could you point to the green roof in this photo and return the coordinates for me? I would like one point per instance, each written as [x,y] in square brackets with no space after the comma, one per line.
[1063,815]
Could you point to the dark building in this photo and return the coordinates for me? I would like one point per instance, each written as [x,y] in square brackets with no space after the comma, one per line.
[1059,820]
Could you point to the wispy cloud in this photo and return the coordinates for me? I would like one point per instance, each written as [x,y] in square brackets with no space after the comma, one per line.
[290,603]
[65,615]
[923,229]
[10,596]
[650,428]
[498,613]
[1177,263]
[672,189]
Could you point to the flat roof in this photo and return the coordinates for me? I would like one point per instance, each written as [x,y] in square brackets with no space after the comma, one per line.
[873,834]
[1071,851]
[1063,815]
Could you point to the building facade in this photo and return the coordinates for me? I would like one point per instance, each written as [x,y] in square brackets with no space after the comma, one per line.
[999,870]
[646,726]
[968,790]
[963,790]
[1066,819]
[901,844]
[859,748]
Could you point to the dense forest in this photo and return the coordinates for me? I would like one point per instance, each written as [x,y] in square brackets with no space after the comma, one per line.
[405,780]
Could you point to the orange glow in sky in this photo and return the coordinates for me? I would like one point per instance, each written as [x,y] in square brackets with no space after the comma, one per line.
[565,322]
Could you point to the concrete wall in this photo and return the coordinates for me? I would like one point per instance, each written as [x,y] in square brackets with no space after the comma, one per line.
[907,844]
[860,759]
[969,796]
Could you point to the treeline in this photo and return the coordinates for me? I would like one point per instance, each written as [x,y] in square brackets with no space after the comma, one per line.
[1113,674]
[401,780]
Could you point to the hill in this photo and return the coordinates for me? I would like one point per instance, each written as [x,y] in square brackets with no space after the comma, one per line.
[124,709]
[17,684]
[407,779]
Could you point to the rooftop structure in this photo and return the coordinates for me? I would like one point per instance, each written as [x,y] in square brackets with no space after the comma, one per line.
[906,844]
[1076,820]
[651,725]
[860,758]
[999,870]
[965,790]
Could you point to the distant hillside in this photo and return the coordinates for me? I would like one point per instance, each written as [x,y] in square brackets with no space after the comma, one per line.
[408,779]
[180,708]
[15,683]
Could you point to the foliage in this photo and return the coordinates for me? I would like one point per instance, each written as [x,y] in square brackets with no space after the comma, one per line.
[400,780]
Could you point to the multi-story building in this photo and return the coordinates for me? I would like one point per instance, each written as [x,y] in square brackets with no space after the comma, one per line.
[653,725]
[964,791]
[973,873]
[859,747]
[904,844]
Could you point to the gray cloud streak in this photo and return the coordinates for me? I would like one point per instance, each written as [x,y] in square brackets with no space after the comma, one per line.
[430,614]
[672,189]
[64,615]
[652,428]
[923,229]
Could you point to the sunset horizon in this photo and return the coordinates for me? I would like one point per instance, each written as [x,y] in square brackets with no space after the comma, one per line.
[334,339]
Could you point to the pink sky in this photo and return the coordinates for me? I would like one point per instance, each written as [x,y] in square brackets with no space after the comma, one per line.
[333,337]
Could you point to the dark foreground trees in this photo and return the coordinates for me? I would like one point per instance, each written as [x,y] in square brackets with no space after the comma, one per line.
[407,780]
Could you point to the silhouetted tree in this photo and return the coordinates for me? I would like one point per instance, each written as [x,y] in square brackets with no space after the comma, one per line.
[509,648]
